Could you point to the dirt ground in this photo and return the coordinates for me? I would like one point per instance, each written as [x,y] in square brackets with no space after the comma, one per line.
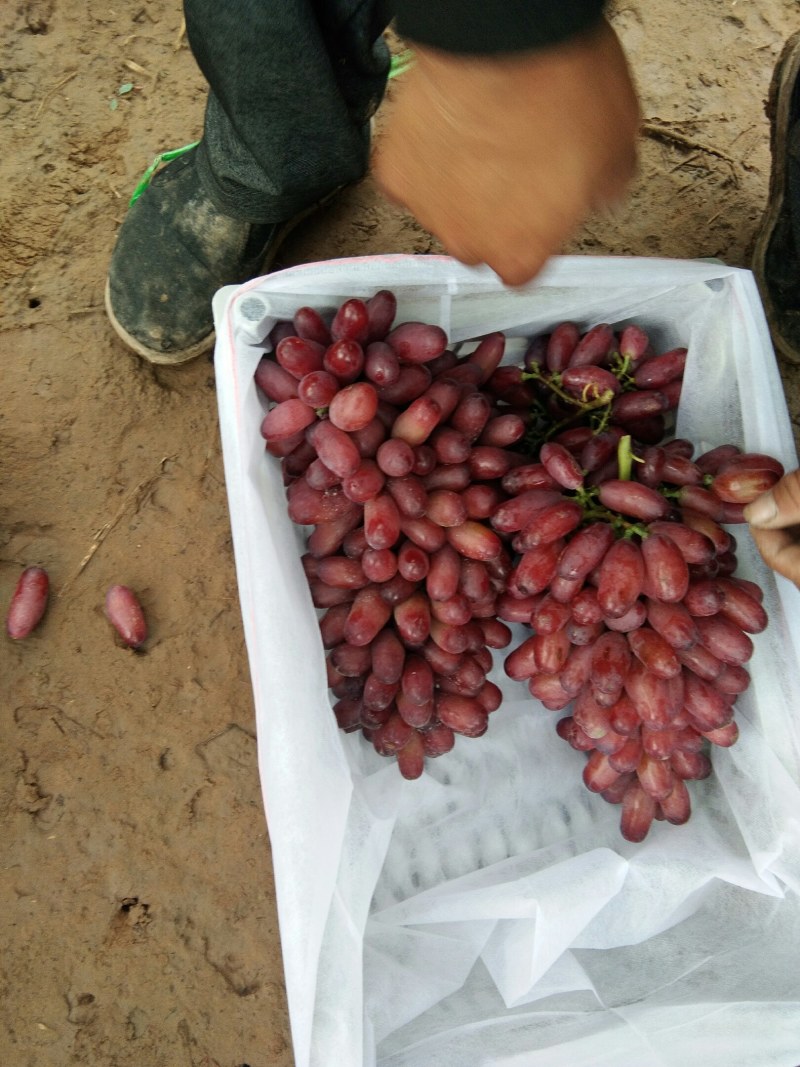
[139,925]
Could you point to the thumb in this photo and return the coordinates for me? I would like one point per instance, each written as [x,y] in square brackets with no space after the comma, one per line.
[778,507]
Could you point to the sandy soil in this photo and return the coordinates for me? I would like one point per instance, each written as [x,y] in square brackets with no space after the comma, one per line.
[139,923]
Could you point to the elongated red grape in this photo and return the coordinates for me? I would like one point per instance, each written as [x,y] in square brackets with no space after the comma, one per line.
[638,812]
[707,526]
[335,448]
[364,483]
[309,324]
[409,495]
[631,620]
[351,321]
[673,622]
[344,359]
[417,422]
[742,486]
[598,773]
[381,521]
[751,461]
[703,597]
[656,371]
[286,419]
[481,500]
[393,735]
[388,657]
[437,740]
[585,550]
[561,465]
[298,356]
[695,547]
[471,415]
[666,570]
[611,660]
[317,388]
[417,342]
[560,345]
[273,381]
[655,776]
[412,562]
[550,616]
[631,407]
[29,603]
[503,430]
[631,498]
[368,615]
[444,573]
[457,611]
[464,715]
[368,440]
[320,477]
[724,736]
[652,696]
[654,652]
[705,705]
[381,310]
[724,639]
[381,365]
[413,619]
[676,807]
[590,383]
[416,715]
[351,660]
[309,507]
[520,511]
[488,354]
[621,578]
[395,458]
[474,540]
[633,343]
[527,477]
[379,564]
[594,346]
[341,572]
[659,744]
[690,765]
[353,407]
[732,678]
[537,567]
[412,381]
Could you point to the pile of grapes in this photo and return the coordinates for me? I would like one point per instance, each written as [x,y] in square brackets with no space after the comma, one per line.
[451,495]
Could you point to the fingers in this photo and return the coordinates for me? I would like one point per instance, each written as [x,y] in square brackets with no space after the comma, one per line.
[778,508]
[780,550]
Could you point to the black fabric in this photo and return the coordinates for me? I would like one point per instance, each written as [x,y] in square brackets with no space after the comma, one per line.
[293,85]
[484,27]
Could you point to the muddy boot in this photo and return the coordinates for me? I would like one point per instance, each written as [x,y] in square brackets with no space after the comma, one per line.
[174,250]
[776,257]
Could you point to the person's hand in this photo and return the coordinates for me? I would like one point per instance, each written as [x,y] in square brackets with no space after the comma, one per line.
[774,520]
[503,157]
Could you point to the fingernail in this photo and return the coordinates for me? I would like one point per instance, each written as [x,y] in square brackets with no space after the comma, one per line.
[762,511]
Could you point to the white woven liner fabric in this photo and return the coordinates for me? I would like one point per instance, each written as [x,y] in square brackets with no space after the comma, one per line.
[490,914]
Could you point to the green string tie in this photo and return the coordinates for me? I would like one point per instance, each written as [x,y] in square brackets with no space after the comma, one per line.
[164,157]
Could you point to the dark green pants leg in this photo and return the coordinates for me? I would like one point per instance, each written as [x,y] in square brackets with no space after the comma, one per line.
[293,84]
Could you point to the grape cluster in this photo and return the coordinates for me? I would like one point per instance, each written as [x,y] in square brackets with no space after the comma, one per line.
[626,575]
[393,451]
[451,495]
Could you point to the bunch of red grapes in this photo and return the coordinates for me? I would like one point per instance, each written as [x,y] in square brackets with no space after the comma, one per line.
[450,495]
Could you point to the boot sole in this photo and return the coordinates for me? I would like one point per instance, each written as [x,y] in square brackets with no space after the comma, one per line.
[787,70]
[186,355]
